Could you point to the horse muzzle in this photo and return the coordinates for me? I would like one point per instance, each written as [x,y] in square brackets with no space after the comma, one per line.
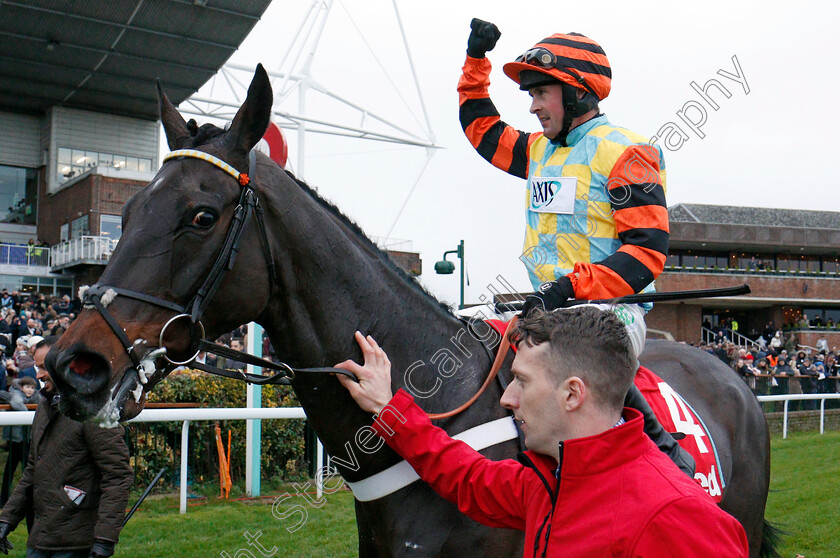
[90,390]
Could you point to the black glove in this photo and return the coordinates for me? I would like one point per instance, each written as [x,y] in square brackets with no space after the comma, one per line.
[102,548]
[482,39]
[550,296]
[5,545]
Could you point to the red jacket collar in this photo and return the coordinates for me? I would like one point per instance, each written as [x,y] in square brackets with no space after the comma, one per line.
[595,454]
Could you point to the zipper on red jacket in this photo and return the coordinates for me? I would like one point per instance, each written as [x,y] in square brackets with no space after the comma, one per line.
[546,524]
[554,497]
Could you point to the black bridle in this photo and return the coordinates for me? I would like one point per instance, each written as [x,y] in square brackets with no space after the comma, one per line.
[99,296]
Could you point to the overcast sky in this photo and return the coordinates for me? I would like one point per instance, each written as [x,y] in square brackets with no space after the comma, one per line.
[768,147]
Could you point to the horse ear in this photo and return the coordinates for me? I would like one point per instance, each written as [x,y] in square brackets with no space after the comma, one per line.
[173,123]
[252,119]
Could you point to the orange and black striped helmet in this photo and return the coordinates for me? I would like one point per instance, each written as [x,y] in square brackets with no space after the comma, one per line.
[570,58]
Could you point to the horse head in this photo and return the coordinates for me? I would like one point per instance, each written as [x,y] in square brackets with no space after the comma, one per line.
[175,231]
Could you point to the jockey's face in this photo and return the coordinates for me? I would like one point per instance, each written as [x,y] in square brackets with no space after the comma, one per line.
[535,400]
[547,104]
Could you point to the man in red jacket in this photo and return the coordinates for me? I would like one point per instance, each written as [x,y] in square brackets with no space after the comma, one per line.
[592,483]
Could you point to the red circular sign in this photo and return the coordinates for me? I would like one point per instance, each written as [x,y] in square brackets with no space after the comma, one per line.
[274,144]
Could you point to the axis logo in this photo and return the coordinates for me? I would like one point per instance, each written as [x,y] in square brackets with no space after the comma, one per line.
[554,194]
[543,192]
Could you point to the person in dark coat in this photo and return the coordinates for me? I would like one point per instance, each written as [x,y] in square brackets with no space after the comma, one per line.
[78,476]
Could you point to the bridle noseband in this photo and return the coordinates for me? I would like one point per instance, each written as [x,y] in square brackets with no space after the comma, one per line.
[99,296]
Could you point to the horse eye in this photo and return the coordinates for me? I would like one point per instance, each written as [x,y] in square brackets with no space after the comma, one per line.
[204,219]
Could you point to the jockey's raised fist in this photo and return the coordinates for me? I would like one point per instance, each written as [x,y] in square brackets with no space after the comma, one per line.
[482,39]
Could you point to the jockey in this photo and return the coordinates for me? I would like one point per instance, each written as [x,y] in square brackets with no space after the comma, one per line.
[596,218]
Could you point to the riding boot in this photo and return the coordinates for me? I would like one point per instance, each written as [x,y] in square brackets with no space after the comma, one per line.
[663,440]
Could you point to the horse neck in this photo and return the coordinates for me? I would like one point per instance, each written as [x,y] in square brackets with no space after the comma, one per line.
[333,282]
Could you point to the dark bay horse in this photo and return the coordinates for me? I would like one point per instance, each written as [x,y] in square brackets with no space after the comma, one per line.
[312,280]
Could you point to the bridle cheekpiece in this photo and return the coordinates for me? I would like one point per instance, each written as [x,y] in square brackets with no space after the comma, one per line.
[99,296]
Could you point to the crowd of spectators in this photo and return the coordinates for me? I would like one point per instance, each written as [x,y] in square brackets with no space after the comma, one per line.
[26,318]
[781,366]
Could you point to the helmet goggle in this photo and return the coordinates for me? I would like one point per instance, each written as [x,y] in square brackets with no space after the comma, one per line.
[538,56]
[541,57]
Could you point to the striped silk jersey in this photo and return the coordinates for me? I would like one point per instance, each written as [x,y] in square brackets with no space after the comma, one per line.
[595,211]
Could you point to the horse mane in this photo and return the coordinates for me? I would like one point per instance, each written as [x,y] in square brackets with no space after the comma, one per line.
[207,132]
[371,245]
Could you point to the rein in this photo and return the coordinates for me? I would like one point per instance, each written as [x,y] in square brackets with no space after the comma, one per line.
[99,296]
[504,346]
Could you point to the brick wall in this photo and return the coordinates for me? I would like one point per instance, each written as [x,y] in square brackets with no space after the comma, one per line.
[803,421]
[769,294]
[810,338]
[779,288]
[680,320]
[92,196]
[408,261]
[62,207]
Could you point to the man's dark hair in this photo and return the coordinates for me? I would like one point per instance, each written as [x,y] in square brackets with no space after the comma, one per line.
[47,341]
[586,342]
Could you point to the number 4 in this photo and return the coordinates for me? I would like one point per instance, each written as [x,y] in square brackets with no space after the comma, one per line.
[682,417]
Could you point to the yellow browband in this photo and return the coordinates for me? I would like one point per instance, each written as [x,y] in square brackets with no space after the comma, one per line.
[240,177]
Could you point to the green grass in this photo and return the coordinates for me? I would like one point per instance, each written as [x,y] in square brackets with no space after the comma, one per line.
[805,493]
[212,526]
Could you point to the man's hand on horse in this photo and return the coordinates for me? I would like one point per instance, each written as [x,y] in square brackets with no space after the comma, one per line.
[373,390]
[549,296]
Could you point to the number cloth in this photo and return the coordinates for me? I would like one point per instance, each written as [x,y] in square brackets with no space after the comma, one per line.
[595,211]
[619,495]
[675,415]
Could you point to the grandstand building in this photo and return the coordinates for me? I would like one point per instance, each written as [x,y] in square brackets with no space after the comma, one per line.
[78,120]
[789,258]
[79,131]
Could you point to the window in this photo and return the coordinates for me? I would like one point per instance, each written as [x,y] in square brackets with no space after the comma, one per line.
[708,260]
[110,226]
[831,265]
[756,262]
[79,227]
[18,195]
[65,232]
[74,162]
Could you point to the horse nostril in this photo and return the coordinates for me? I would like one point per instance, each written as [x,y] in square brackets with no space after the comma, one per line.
[81,365]
[87,372]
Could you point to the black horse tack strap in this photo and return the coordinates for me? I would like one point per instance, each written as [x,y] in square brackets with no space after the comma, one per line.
[284,375]
[249,204]
[100,296]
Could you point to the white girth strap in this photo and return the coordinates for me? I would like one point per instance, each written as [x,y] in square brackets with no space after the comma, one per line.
[401,475]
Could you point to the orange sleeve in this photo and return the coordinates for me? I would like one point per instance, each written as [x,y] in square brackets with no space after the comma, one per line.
[640,212]
[500,144]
